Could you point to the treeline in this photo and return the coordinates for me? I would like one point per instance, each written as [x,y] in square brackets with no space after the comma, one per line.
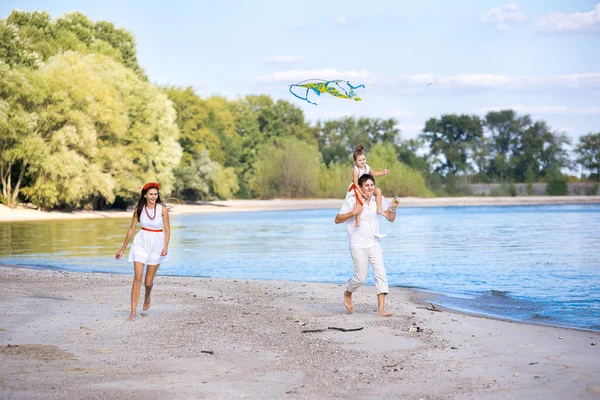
[81,126]
[505,147]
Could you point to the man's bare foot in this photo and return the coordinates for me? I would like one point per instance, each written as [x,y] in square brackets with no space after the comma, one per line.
[146,303]
[348,302]
[131,317]
[384,313]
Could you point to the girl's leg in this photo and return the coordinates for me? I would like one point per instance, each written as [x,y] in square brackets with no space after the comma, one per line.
[358,216]
[138,271]
[378,200]
[150,274]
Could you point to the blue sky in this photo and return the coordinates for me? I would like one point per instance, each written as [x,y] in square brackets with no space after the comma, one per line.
[538,57]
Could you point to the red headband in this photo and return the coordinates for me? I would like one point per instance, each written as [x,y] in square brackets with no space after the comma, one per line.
[150,185]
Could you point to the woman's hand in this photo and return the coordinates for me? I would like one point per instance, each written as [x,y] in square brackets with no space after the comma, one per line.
[119,254]
[164,252]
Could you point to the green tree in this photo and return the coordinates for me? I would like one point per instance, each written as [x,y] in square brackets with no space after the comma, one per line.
[408,154]
[480,150]
[193,181]
[402,180]
[450,140]
[34,36]
[587,153]
[556,182]
[538,148]
[221,122]
[505,128]
[530,180]
[14,50]
[339,138]
[193,119]
[21,143]
[87,127]
[279,119]
[288,168]
[225,182]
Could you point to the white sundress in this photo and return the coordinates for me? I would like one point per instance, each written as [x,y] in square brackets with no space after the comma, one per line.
[147,245]
[350,191]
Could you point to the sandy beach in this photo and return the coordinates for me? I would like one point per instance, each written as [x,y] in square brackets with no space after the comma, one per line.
[65,336]
[29,214]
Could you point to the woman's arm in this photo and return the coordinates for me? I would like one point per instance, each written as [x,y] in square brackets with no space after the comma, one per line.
[167,229]
[130,233]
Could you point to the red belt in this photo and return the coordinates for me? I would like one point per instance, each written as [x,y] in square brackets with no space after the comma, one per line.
[351,188]
[152,230]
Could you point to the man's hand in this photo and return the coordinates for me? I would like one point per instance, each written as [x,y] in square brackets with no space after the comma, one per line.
[357,210]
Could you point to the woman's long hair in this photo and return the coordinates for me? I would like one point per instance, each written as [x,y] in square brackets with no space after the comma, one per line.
[142,201]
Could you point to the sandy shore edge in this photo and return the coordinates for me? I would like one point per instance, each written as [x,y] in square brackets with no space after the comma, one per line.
[27,214]
[224,338]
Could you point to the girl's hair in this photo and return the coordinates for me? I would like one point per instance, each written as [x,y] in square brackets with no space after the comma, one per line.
[142,201]
[360,151]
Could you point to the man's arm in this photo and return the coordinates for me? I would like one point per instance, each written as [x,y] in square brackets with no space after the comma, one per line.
[340,218]
[390,213]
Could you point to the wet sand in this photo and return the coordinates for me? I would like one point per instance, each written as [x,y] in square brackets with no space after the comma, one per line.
[29,214]
[65,335]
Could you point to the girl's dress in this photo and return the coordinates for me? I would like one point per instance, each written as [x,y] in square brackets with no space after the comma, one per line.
[352,189]
[150,240]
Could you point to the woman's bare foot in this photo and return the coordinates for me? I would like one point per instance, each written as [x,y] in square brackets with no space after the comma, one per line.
[131,317]
[384,313]
[348,302]
[146,303]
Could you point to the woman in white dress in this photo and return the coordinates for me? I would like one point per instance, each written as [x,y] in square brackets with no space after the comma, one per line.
[151,243]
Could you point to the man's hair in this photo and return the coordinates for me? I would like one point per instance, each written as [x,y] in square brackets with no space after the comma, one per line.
[365,177]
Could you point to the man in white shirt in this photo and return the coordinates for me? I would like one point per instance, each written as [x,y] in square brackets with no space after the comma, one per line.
[364,241]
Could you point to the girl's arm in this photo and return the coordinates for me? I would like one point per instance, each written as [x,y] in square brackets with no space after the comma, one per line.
[355,180]
[379,173]
[130,233]
[167,229]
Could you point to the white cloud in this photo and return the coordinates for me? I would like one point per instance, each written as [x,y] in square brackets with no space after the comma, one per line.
[341,21]
[495,81]
[284,60]
[298,75]
[510,14]
[545,110]
[501,27]
[557,22]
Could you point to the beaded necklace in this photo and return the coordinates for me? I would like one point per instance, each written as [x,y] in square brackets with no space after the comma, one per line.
[151,217]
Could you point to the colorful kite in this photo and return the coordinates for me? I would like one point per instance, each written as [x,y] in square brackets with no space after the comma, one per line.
[319,86]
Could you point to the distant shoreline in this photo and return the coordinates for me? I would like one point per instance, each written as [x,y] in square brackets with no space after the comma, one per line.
[28,214]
